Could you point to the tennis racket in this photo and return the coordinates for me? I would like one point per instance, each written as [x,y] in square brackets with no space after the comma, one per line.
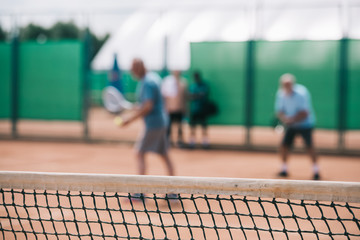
[114,101]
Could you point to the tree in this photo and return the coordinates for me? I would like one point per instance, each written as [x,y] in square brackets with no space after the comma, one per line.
[97,43]
[64,31]
[59,31]
[3,34]
[32,32]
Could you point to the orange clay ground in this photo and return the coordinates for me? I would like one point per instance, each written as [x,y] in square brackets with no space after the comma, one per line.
[119,159]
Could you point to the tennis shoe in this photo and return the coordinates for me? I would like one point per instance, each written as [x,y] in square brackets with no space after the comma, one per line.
[137,197]
[180,144]
[316,176]
[205,146]
[172,196]
[283,174]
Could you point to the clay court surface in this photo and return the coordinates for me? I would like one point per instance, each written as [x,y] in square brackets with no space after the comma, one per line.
[118,158]
[101,127]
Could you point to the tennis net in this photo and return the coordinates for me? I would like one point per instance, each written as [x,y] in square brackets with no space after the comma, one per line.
[96,206]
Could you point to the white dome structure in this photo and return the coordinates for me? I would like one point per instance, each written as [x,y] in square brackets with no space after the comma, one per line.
[159,31]
[161,35]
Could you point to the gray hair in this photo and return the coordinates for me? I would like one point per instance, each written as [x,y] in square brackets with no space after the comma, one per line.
[287,77]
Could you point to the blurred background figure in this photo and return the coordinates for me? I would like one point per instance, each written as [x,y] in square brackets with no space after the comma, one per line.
[152,110]
[198,95]
[294,109]
[174,91]
[115,76]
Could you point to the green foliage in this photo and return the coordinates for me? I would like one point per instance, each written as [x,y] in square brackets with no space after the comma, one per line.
[2,34]
[32,32]
[64,31]
[96,43]
[60,31]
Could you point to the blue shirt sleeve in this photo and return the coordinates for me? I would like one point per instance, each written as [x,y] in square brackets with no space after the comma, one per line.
[148,93]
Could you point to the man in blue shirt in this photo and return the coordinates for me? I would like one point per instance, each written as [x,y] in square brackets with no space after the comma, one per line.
[293,108]
[152,110]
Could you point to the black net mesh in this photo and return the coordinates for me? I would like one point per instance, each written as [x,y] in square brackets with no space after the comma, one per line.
[34,214]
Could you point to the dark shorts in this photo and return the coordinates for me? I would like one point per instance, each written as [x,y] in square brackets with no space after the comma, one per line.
[290,134]
[198,119]
[176,117]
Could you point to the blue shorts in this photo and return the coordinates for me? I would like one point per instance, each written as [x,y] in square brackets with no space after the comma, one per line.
[290,134]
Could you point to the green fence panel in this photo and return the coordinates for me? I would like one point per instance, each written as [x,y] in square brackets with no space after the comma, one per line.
[130,85]
[98,81]
[222,65]
[353,96]
[51,80]
[5,80]
[315,65]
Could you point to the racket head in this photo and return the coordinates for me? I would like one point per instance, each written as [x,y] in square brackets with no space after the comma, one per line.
[114,101]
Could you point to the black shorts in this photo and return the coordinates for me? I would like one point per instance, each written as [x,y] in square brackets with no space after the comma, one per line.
[290,133]
[198,118]
[176,117]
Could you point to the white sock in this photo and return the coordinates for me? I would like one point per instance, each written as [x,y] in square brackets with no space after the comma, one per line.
[315,168]
[205,140]
[192,140]
[284,167]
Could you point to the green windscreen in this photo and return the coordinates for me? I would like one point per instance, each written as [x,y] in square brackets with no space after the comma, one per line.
[222,66]
[5,80]
[353,96]
[130,85]
[98,81]
[51,80]
[314,64]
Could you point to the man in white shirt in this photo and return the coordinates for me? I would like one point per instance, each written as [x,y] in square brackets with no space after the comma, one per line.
[293,108]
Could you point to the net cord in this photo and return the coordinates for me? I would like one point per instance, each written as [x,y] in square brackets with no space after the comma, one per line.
[262,188]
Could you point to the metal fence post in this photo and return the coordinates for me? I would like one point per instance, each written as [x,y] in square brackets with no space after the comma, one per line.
[165,70]
[14,84]
[86,82]
[343,83]
[249,88]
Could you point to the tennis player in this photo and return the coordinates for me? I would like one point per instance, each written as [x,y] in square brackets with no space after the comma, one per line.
[294,109]
[152,110]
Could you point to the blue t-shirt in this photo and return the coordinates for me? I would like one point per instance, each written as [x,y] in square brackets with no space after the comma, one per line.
[148,90]
[290,105]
